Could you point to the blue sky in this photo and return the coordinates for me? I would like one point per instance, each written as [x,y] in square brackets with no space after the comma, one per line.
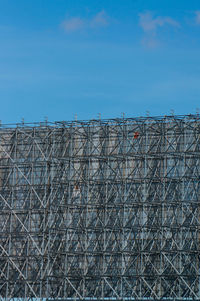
[61,58]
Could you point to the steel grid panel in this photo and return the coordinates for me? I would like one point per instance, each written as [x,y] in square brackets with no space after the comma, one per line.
[100,210]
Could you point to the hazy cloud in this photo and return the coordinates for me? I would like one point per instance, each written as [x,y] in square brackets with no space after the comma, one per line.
[76,23]
[197,17]
[149,23]
[150,42]
[73,24]
[100,20]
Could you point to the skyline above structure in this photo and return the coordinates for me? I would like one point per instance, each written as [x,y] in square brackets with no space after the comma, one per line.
[59,58]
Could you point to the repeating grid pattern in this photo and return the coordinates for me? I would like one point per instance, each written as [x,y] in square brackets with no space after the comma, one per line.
[101,210]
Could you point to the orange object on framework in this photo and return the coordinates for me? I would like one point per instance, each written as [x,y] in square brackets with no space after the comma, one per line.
[76,187]
[136,135]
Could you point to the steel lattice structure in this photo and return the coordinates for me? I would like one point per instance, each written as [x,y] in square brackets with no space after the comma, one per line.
[101,209]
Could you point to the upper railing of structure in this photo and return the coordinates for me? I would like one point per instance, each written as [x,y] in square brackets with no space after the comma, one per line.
[101,122]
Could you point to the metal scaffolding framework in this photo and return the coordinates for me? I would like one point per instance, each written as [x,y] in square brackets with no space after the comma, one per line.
[101,209]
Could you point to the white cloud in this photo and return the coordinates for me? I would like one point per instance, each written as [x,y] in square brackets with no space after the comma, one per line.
[100,20]
[76,23]
[197,17]
[73,24]
[150,24]
[150,42]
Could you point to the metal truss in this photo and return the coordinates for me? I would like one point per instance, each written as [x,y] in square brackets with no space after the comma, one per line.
[100,210]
